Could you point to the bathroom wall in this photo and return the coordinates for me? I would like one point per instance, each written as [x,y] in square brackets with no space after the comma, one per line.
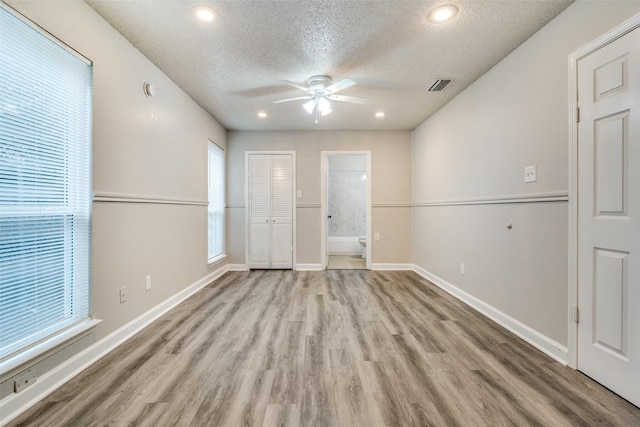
[347,198]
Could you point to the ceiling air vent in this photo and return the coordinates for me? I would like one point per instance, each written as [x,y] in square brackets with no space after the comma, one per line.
[439,85]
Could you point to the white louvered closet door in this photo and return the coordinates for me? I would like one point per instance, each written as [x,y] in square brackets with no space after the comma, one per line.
[281,211]
[270,211]
[259,210]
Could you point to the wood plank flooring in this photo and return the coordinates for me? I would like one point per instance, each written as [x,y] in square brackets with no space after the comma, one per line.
[331,348]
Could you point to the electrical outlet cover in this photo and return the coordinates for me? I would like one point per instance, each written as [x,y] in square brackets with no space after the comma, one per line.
[530,174]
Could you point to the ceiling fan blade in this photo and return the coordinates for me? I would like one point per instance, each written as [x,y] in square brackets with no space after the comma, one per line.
[296,85]
[345,98]
[339,85]
[292,99]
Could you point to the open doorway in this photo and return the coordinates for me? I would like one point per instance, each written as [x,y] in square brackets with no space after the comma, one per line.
[346,209]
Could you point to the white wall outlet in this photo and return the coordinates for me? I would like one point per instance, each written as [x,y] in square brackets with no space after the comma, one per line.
[376,236]
[462,268]
[24,380]
[299,194]
[123,295]
[147,284]
[530,174]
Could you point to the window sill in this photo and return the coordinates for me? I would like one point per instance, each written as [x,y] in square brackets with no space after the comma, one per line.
[216,259]
[40,351]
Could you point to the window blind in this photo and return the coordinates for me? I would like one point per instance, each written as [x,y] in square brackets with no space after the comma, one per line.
[45,185]
[216,201]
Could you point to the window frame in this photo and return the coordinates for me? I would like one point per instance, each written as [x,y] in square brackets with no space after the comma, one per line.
[217,205]
[74,209]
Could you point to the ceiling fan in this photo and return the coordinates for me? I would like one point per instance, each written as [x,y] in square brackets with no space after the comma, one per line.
[320,91]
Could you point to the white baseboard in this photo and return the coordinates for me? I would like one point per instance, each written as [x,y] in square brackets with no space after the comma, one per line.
[309,267]
[384,266]
[237,267]
[543,343]
[298,267]
[17,403]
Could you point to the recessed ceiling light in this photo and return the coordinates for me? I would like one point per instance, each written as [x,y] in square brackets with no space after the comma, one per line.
[204,13]
[380,114]
[262,114]
[442,13]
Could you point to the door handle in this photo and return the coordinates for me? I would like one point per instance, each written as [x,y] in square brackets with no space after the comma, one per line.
[328,216]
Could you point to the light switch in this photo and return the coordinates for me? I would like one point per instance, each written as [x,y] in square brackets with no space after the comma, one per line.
[299,194]
[530,174]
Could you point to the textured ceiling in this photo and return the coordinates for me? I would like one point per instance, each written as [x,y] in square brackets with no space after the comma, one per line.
[233,67]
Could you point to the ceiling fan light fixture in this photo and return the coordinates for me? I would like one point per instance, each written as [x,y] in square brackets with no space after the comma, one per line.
[320,91]
[324,106]
[309,106]
[442,14]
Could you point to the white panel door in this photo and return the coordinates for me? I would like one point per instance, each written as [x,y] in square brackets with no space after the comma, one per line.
[609,216]
[281,211]
[259,177]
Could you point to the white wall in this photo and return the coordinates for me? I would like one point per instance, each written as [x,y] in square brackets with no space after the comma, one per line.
[390,181]
[474,150]
[147,148]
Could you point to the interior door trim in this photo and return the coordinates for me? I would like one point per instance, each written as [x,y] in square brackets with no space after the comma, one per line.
[324,155]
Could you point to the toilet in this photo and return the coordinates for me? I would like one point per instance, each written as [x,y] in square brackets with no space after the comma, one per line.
[363,242]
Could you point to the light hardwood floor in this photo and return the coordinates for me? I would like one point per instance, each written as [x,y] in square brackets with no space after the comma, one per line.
[331,348]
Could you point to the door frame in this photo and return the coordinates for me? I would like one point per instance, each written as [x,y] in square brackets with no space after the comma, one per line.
[324,155]
[247,221]
[614,34]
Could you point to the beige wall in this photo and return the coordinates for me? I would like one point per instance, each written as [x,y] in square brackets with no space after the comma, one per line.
[390,183]
[477,146]
[150,148]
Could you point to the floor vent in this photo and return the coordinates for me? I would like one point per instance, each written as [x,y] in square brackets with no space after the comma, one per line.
[439,85]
